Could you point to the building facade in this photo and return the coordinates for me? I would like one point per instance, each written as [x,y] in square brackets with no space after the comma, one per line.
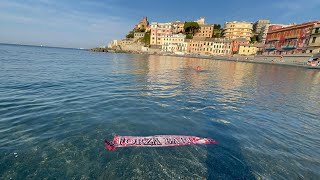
[138,35]
[233,30]
[269,27]
[247,49]
[257,26]
[178,27]
[314,41]
[209,46]
[289,40]
[174,43]
[113,44]
[206,30]
[200,21]
[236,43]
[127,41]
[159,30]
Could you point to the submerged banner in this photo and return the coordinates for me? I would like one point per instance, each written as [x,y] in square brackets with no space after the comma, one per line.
[156,141]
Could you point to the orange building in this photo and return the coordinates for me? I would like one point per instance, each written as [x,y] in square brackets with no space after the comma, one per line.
[206,30]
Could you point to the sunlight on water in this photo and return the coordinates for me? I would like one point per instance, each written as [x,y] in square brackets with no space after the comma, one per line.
[57,106]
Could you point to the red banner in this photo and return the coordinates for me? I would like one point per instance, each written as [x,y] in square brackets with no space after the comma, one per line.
[156,141]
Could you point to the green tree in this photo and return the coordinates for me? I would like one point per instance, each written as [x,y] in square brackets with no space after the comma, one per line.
[254,38]
[146,38]
[189,36]
[217,26]
[130,35]
[191,27]
[217,33]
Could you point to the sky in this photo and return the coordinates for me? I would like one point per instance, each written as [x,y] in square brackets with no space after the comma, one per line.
[93,23]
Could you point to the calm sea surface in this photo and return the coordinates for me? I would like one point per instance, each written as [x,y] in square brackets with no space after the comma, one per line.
[58,105]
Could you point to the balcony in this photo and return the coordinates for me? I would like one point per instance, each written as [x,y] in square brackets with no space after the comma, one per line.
[270,48]
[288,47]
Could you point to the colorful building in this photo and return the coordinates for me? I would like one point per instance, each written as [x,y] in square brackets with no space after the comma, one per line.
[209,46]
[264,31]
[206,30]
[174,43]
[314,41]
[236,43]
[178,27]
[289,40]
[138,35]
[200,21]
[159,30]
[233,30]
[143,24]
[247,49]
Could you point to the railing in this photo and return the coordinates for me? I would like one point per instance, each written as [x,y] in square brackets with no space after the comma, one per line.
[288,47]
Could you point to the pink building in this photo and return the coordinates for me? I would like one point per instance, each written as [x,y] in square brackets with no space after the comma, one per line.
[159,30]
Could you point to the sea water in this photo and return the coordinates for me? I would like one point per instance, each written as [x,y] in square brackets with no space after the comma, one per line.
[58,105]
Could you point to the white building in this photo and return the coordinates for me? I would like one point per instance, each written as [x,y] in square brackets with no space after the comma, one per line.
[174,44]
[113,43]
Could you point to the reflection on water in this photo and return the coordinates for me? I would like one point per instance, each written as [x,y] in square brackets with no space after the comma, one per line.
[57,106]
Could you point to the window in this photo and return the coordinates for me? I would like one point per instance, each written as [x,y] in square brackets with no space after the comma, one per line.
[314,39]
[310,51]
[317,30]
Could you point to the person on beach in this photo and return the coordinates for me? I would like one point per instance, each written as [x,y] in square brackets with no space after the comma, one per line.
[281,58]
[198,68]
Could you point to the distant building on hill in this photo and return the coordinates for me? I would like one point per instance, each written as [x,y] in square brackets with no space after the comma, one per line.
[290,40]
[234,30]
[178,27]
[143,24]
[138,35]
[200,21]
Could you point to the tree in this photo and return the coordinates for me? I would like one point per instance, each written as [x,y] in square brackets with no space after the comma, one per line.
[254,38]
[191,27]
[217,33]
[130,35]
[189,36]
[146,38]
[217,26]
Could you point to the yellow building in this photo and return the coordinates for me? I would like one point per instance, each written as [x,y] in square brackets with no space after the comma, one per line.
[233,30]
[209,46]
[247,49]
[314,42]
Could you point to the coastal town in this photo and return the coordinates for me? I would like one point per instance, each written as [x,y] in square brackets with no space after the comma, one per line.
[236,39]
